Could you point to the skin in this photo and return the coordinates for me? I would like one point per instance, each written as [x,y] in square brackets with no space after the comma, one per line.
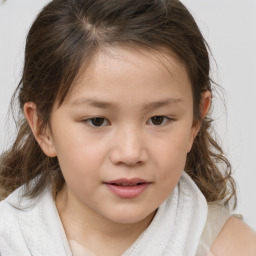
[126,89]
[235,239]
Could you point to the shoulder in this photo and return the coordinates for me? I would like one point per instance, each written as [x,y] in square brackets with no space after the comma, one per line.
[8,224]
[13,206]
[23,220]
[6,211]
[235,238]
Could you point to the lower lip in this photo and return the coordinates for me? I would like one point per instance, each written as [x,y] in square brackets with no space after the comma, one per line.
[127,191]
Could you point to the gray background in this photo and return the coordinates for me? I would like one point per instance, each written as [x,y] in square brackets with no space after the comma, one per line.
[229,26]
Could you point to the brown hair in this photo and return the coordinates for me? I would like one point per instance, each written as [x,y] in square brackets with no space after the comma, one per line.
[67,34]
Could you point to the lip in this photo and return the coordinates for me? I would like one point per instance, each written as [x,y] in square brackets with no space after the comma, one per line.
[127,188]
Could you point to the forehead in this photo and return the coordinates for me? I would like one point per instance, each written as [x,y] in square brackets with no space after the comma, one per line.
[143,72]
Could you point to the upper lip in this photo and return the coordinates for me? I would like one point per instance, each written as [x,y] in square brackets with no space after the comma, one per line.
[125,181]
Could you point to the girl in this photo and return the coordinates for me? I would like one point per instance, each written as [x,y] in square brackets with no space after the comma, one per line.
[114,154]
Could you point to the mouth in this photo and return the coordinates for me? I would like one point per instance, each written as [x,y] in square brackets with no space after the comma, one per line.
[127,188]
[128,182]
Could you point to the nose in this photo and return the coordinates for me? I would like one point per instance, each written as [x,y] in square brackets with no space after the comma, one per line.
[129,148]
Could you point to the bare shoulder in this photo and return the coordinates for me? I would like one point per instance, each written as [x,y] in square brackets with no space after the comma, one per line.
[235,238]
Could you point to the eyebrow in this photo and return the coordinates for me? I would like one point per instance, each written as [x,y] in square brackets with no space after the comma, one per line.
[91,102]
[103,104]
[162,103]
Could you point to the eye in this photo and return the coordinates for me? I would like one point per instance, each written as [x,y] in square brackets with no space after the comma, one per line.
[97,121]
[159,120]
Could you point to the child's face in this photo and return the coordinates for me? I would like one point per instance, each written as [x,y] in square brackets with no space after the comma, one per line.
[128,120]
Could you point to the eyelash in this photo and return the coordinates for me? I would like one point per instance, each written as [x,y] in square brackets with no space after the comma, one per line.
[104,122]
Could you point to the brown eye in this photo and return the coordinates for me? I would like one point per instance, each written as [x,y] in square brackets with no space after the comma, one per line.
[97,121]
[157,120]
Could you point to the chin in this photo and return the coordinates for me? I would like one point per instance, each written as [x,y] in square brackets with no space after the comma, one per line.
[130,217]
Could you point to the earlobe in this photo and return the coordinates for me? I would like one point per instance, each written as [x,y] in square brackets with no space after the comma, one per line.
[43,137]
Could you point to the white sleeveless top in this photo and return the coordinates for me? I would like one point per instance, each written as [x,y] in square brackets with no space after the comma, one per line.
[216,218]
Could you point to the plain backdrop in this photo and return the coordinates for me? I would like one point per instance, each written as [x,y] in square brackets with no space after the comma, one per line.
[229,27]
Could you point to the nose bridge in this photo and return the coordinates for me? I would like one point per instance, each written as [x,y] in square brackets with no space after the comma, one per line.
[129,146]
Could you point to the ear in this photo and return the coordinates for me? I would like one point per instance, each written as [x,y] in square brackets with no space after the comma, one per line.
[205,104]
[43,137]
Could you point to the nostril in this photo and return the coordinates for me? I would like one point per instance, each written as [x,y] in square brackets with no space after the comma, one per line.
[128,149]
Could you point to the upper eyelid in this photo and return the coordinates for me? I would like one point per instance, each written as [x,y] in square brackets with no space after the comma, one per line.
[93,117]
[167,117]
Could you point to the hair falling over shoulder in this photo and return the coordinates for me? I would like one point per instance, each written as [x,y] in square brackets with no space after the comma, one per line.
[64,38]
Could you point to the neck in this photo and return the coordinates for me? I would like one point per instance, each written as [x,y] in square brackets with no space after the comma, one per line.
[92,230]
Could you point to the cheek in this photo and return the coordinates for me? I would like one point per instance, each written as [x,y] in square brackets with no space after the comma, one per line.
[79,157]
[171,154]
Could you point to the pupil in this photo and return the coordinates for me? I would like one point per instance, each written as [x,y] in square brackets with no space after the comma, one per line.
[97,121]
[157,120]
